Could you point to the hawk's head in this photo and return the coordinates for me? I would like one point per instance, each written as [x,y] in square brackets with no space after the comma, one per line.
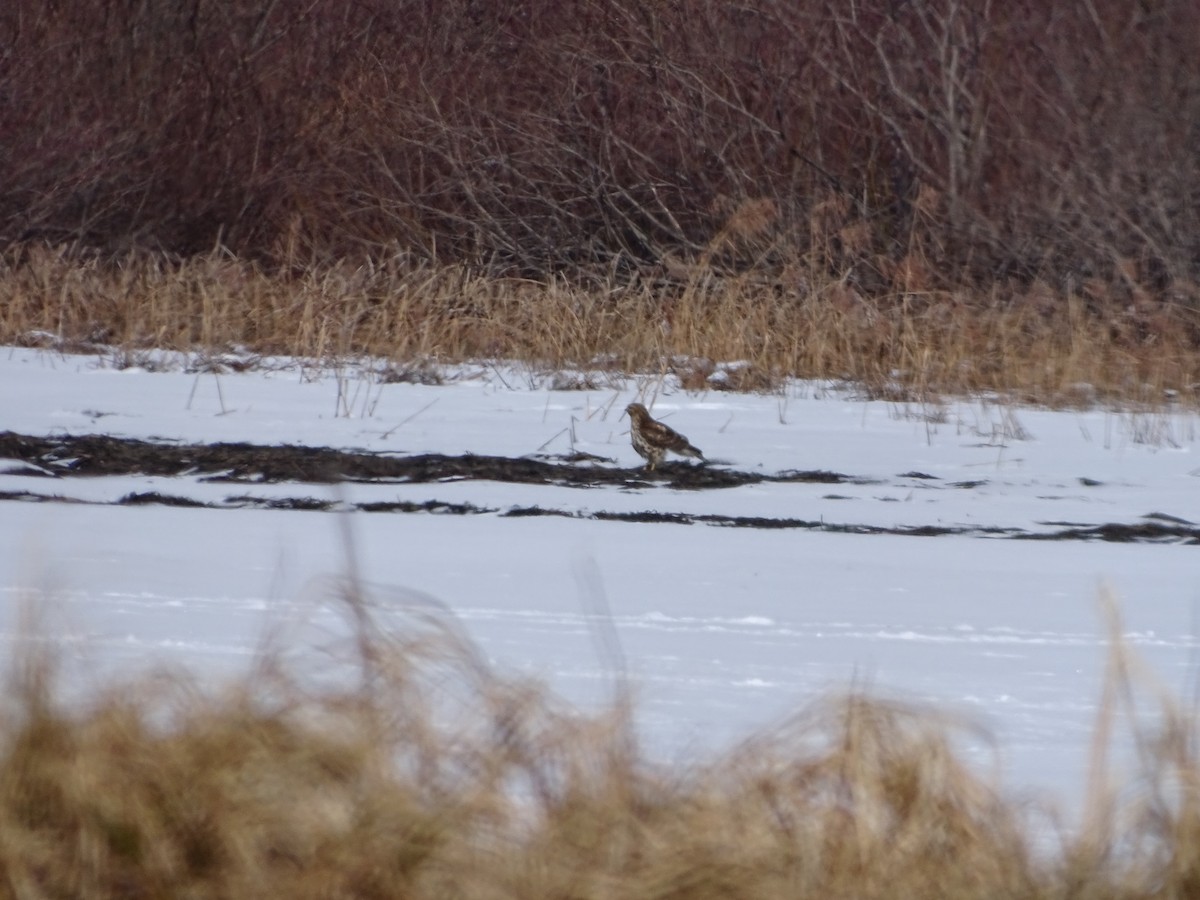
[637,412]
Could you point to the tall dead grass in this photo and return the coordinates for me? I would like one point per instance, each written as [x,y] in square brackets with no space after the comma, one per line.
[1034,344]
[432,775]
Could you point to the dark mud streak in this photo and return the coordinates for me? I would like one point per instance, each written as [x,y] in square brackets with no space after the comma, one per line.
[1115,532]
[1145,532]
[28,497]
[154,498]
[242,463]
[765,523]
[438,507]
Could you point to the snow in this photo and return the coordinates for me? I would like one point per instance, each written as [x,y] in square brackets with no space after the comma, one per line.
[723,630]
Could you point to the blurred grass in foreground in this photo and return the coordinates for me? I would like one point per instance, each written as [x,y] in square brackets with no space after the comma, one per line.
[427,774]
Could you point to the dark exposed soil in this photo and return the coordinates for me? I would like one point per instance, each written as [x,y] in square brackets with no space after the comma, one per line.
[71,456]
[257,464]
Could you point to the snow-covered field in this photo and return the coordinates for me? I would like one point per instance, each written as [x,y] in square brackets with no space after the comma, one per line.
[723,629]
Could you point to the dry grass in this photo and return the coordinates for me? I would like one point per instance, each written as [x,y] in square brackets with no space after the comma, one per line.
[432,776]
[1034,345]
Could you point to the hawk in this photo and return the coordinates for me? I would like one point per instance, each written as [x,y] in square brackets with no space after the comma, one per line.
[652,439]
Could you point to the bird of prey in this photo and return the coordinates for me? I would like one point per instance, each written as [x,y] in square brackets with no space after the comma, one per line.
[652,439]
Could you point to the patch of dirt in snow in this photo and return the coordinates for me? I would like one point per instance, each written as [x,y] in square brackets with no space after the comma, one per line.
[242,463]
[76,456]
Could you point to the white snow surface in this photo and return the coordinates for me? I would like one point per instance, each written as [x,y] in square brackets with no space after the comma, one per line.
[723,630]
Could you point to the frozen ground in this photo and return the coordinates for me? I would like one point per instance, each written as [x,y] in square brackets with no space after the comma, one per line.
[723,628]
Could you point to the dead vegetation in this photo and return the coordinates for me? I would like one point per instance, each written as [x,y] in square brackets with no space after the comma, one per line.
[746,332]
[409,768]
[941,195]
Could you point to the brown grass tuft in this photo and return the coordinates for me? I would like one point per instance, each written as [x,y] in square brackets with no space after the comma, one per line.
[428,774]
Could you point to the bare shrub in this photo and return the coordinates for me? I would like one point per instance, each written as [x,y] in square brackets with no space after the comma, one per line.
[989,140]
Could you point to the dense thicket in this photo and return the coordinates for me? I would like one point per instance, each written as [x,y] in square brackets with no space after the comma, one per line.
[937,142]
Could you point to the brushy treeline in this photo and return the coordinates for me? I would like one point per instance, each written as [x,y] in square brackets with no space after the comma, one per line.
[417,771]
[905,146]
